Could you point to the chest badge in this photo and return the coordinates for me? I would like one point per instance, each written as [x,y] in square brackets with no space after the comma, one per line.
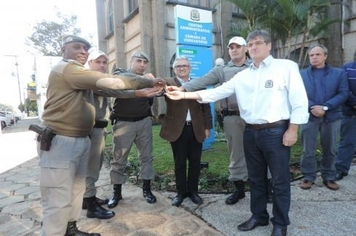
[269,84]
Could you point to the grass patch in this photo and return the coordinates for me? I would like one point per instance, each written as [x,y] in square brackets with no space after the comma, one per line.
[213,179]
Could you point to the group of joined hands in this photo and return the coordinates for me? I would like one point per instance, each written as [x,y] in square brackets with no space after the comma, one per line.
[161,88]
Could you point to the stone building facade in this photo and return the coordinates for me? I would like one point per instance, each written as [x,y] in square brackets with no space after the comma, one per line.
[125,26]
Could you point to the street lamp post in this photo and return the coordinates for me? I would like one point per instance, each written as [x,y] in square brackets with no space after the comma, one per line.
[18,79]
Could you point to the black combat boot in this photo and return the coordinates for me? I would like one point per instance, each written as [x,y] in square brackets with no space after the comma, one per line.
[270,191]
[237,194]
[98,200]
[116,196]
[95,210]
[147,194]
[72,230]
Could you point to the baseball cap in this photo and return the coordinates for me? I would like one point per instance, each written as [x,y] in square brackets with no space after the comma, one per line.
[95,54]
[73,38]
[140,54]
[238,40]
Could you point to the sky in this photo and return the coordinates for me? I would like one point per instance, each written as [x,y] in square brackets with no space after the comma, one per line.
[18,17]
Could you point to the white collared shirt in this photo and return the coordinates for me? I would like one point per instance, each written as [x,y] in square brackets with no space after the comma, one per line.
[189,118]
[273,91]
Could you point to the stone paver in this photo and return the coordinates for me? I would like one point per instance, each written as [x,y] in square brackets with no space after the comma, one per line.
[314,212]
[134,216]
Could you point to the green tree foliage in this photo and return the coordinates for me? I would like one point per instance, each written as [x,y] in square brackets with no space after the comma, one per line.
[47,35]
[287,20]
[31,107]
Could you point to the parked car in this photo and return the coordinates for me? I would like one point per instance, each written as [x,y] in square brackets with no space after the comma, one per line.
[3,122]
[6,117]
[15,117]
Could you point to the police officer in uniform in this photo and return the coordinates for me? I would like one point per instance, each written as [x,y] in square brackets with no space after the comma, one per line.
[132,124]
[97,61]
[70,116]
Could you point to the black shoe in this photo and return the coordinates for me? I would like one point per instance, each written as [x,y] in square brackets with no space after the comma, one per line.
[146,190]
[340,175]
[177,201]
[251,224]
[97,211]
[116,196]
[114,200]
[238,194]
[234,197]
[195,198]
[102,201]
[72,230]
[98,200]
[148,195]
[279,232]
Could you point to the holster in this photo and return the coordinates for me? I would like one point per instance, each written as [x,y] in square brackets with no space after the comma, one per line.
[45,136]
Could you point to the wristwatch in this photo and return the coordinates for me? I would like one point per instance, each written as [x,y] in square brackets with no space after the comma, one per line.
[325,108]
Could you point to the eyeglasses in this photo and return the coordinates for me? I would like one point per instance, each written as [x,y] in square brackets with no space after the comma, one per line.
[181,66]
[258,43]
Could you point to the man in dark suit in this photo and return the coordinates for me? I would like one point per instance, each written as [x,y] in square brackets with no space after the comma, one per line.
[186,125]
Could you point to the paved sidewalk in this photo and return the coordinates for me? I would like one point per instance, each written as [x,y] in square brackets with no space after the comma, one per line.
[21,209]
[315,212]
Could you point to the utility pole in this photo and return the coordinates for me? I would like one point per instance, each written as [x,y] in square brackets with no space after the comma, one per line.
[18,80]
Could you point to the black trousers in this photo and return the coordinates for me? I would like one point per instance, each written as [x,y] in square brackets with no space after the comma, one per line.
[187,148]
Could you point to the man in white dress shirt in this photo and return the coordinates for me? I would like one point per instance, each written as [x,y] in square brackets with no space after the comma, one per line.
[273,102]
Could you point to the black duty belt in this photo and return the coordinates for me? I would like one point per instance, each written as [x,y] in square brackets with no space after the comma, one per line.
[100,123]
[130,119]
[226,112]
[188,122]
[268,125]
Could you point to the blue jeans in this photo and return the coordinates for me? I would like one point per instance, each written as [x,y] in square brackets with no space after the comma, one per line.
[264,149]
[329,132]
[347,144]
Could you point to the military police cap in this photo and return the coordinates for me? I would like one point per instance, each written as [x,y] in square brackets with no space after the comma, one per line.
[140,54]
[72,39]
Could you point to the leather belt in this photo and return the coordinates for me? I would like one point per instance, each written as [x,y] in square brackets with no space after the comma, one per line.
[188,122]
[232,113]
[268,125]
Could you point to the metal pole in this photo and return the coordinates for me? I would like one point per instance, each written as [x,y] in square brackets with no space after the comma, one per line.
[18,80]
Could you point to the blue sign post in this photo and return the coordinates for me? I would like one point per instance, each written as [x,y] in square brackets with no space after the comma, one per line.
[194,39]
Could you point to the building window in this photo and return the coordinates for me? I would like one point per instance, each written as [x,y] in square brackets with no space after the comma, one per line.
[347,16]
[110,20]
[133,5]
